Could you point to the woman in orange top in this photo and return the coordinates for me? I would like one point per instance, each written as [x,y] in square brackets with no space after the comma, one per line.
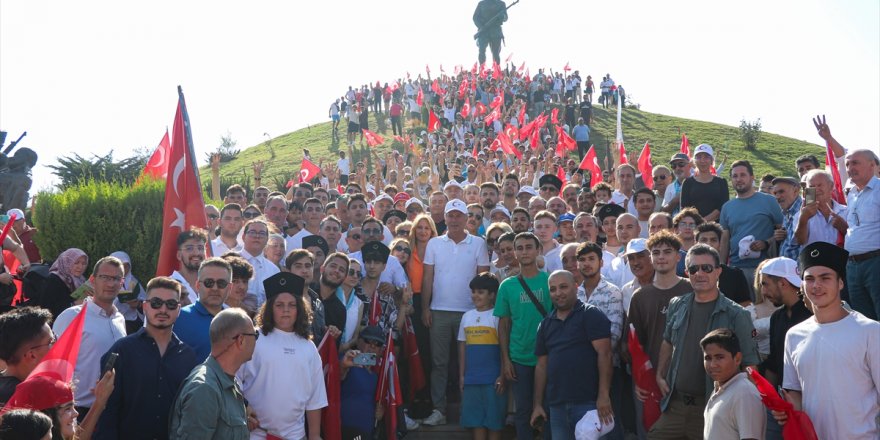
[423,229]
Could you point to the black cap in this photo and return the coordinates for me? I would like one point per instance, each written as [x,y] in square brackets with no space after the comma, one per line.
[284,282]
[373,333]
[550,179]
[610,210]
[825,254]
[394,213]
[375,251]
[316,241]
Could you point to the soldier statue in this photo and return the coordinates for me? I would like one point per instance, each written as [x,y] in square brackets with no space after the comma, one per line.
[488,17]
[15,178]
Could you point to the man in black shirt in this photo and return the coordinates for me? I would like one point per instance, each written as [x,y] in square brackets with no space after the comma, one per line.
[586,110]
[25,338]
[333,273]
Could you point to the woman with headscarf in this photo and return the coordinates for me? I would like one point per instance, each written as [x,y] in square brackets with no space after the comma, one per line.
[65,276]
[130,297]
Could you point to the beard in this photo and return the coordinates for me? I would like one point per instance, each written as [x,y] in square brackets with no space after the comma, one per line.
[330,284]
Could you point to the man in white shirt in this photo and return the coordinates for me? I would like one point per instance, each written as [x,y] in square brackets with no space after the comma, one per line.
[681,169]
[313,213]
[394,276]
[628,229]
[103,326]
[231,221]
[256,236]
[831,364]
[190,254]
[450,262]
[545,226]
[624,195]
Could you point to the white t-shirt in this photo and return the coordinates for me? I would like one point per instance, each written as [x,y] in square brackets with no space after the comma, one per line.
[295,241]
[218,247]
[836,367]
[455,264]
[282,381]
[552,260]
[344,166]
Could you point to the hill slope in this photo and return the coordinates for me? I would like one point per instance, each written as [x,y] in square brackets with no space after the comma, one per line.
[775,154]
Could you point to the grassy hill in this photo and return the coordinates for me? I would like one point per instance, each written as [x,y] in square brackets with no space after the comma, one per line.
[774,154]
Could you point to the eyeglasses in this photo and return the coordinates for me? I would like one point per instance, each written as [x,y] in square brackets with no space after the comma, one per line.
[706,268]
[679,164]
[109,278]
[687,225]
[192,248]
[399,248]
[371,231]
[259,234]
[354,272]
[255,334]
[251,214]
[474,214]
[549,188]
[656,178]
[209,283]
[355,236]
[403,233]
[213,216]
[156,303]
[48,344]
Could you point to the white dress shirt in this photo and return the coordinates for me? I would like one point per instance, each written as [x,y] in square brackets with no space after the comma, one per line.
[190,292]
[263,268]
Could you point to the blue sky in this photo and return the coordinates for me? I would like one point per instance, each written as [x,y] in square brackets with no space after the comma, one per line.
[88,77]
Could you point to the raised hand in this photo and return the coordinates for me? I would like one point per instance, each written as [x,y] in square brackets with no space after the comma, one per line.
[822,127]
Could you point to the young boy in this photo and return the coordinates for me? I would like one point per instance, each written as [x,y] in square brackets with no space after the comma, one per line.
[483,401]
[734,410]
[603,192]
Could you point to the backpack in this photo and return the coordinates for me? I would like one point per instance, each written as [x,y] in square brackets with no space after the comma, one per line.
[33,283]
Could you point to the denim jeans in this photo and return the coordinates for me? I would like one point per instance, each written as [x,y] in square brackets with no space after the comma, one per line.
[523,395]
[564,418]
[863,283]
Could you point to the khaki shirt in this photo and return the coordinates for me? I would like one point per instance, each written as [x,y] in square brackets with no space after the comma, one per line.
[210,405]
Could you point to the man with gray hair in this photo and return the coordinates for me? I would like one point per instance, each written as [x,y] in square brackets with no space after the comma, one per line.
[863,228]
[586,227]
[214,284]
[821,217]
[210,403]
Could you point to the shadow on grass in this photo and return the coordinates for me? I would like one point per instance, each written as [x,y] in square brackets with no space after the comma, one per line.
[767,159]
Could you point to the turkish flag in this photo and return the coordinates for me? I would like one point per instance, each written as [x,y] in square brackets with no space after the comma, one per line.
[157,166]
[799,426]
[399,139]
[554,116]
[560,174]
[433,122]
[507,60]
[331,415]
[417,379]
[462,88]
[497,101]
[507,146]
[493,115]
[645,166]
[496,71]
[621,151]
[566,68]
[591,163]
[474,152]
[466,109]
[535,140]
[375,309]
[373,139]
[521,67]
[420,97]
[685,145]
[522,115]
[526,130]
[388,389]
[308,170]
[481,109]
[435,86]
[184,205]
[564,140]
[427,69]
[645,378]
[831,165]
[511,131]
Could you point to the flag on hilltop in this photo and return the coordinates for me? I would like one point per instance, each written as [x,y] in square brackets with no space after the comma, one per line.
[157,166]
[645,166]
[509,57]
[433,122]
[308,170]
[566,68]
[331,415]
[685,145]
[591,163]
[184,205]
[373,139]
[621,151]
[466,109]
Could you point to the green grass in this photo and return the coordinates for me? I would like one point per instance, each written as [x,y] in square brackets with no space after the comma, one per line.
[774,154]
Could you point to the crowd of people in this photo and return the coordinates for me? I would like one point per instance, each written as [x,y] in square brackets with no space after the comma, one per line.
[504,275]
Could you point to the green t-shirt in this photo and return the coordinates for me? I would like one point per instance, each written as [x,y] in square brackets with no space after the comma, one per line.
[514,302]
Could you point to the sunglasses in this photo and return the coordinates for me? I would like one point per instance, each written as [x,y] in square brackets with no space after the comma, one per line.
[679,165]
[251,214]
[255,334]
[656,178]
[403,233]
[209,283]
[706,268]
[403,249]
[549,188]
[213,216]
[371,231]
[355,236]
[156,303]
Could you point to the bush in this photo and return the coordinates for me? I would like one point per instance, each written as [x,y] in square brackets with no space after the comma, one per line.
[750,132]
[101,218]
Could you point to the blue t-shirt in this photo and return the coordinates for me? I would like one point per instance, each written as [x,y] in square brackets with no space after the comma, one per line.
[581,133]
[757,216]
[358,399]
[192,327]
[568,345]
[482,352]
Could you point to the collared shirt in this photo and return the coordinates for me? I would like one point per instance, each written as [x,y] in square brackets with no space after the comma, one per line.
[820,228]
[567,343]
[192,327]
[619,272]
[218,247]
[780,322]
[726,314]
[863,217]
[454,266]
[790,217]
[618,198]
[609,300]
[210,405]
[734,411]
[393,272]
[190,293]
[145,386]
[671,191]
[263,268]
[100,330]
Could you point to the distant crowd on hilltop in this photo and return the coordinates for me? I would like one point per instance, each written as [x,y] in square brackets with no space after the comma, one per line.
[488,271]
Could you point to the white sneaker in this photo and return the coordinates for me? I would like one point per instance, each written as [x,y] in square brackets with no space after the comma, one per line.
[411,425]
[436,418]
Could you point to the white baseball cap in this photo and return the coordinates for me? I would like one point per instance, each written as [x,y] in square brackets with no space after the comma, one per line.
[500,208]
[383,196]
[636,245]
[455,205]
[528,190]
[19,214]
[414,200]
[705,148]
[450,184]
[784,268]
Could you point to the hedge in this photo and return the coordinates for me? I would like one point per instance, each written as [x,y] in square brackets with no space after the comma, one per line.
[101,218]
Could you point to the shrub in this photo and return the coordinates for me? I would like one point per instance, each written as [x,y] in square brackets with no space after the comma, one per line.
[750,132]
[101,218]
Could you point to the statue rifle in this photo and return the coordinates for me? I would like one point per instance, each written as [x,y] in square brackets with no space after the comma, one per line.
[14,143]
[492,20]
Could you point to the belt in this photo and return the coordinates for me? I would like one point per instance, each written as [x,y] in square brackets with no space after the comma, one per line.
[690,399]
[866,256]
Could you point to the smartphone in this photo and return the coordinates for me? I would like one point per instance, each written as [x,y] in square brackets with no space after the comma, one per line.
[365,359]
[809,195]
[108,364]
